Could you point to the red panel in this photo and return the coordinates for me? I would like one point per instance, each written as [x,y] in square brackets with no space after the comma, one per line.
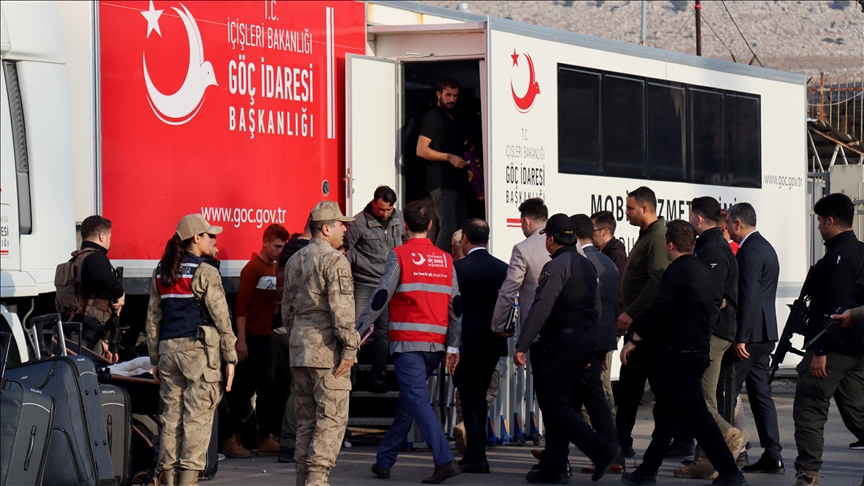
[184,142]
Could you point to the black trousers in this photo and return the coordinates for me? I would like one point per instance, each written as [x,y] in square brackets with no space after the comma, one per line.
[250,377]
[676,380]
[558,362]
[472,378]
[631,385]
[755,372]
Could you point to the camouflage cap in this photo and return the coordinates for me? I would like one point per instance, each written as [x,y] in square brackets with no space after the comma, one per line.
[195,224]
[328,211]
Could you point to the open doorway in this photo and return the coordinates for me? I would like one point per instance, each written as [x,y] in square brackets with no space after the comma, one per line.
[420,82]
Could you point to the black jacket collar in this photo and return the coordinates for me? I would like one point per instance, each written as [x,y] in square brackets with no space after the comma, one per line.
[95,246]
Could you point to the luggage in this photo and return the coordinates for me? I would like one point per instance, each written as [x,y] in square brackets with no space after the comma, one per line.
[26,419]
[116,413]
[78,450]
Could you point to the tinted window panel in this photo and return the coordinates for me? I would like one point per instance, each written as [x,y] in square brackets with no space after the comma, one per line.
[579,143]
[667,133]
[706,115]
[743,135]
[623,127]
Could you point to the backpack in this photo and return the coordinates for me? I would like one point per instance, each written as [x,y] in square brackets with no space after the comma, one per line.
[69,300]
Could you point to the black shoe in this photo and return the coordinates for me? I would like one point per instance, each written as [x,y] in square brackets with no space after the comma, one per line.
[381,472]
[636,479]
[743,459]
[479,467]
[857,446]
[736,480]
[601,465]
[379,382]
[540,476]
[286,454]
[628,451]
[765,466]
[687,462]
[681,449]
[442,473]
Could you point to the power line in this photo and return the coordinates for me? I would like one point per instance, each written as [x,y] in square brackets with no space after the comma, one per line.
[718,38]
[742,34]
[668,47]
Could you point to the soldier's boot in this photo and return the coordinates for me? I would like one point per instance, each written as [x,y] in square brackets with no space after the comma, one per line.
[169,477]
[268,446]
[700,468]
[807,478]
[316,478]
[187,477]
[736,439]
[232,447]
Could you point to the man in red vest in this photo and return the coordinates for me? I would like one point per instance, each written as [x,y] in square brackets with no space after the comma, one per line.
[419,284]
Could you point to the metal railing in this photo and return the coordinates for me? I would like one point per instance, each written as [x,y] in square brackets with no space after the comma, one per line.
[839,102]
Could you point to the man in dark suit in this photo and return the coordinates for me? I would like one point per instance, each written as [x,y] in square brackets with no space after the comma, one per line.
[480,276]
[758,273]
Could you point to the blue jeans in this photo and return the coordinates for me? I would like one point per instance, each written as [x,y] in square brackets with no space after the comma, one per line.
[412,371]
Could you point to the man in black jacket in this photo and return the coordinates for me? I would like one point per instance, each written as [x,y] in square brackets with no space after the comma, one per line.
[834,364]
[677,329]
[713,250]
[758,273]
[480,275]
[565,312]
[605,241]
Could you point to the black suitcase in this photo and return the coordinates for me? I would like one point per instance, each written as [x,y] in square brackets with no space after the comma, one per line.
[78,450]
[117,415]
[26,418]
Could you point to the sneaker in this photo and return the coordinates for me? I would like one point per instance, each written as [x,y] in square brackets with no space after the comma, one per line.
[233,448]
[681,449]
[220,457]
[636,479]
[807,478]
[268,446]
[459,437]
[628,451]
[857,446]
[736,440]
[736,480]
[700,468]
[347,444]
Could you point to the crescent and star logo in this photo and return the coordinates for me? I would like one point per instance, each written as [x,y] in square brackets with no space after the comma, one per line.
[182,106]
[422,260]
[525,102]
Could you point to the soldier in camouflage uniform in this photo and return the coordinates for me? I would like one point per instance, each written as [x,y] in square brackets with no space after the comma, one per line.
[187,327]
[318,313]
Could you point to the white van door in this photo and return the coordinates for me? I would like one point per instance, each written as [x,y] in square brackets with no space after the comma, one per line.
[371,148]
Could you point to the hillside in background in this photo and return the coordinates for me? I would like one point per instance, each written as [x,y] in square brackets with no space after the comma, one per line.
[806,37]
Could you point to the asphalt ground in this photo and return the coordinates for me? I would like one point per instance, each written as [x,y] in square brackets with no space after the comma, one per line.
[842,466]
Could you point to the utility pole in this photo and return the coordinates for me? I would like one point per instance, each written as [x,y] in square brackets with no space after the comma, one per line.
[642,37]
[698,8]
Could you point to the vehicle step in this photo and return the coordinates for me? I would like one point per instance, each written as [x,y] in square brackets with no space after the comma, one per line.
[368,394]
[368,367]
[367,421]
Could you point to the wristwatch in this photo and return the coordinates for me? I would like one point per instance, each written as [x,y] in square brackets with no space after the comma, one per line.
[233,362]
[819,352]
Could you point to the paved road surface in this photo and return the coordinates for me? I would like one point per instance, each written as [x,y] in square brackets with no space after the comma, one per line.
[843,467]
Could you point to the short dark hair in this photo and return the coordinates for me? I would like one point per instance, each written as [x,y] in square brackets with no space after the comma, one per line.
[476,230]
[837,206]
[317,227]
[417,215]
[605,219]
[92,226]
[534,209]
[644,195]
[584,226]
[276,232]
[447,83]
[707,207]
[386,194]
[682,234]
[743,212]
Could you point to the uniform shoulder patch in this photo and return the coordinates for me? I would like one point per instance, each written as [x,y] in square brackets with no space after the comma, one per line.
[346,283]
[543,276]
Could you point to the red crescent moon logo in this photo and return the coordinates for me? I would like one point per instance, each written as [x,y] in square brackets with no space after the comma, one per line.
[524,103]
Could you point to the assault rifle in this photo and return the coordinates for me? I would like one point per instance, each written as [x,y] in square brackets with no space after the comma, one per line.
[830,324]
[795,324]
[112,327]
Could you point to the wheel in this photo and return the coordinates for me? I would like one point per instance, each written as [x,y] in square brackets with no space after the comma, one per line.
[535,439]
[521,441]
[139,478]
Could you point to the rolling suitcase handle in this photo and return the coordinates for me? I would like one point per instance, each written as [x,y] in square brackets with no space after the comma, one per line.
[5,341]
[37,332]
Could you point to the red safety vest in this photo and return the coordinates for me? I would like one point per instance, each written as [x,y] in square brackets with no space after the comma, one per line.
[419,309]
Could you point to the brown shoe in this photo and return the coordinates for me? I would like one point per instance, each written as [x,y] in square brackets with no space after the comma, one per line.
[459,437]
[736,440]
[233,448]
[700,468]
[268,446]
[613,469]
[807,478]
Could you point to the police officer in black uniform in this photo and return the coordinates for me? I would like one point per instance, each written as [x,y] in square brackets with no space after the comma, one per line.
[565,311]
[677,330]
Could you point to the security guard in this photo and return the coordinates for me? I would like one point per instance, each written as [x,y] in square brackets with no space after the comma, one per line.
[565,310]
[318,313]
[834,364]
[187,326]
